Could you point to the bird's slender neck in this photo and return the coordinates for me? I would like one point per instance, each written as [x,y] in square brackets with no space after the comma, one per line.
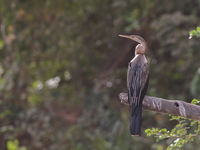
[142,42]
[140,49]
[136,54]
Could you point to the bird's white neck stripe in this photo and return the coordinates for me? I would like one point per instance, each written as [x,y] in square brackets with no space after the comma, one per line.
[135,57]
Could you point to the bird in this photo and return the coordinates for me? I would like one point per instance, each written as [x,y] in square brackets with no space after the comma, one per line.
[137,83]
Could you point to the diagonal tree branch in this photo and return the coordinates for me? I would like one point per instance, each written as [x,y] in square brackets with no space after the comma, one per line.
[174,107]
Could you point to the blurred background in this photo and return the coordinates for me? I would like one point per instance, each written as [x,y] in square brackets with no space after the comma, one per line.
[62,66]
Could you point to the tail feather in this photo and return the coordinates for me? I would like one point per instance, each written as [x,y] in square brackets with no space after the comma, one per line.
[136,119]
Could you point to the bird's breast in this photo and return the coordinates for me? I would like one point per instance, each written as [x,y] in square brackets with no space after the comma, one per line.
[139,59]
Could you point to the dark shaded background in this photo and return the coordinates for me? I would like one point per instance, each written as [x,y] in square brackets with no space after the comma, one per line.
[62,67]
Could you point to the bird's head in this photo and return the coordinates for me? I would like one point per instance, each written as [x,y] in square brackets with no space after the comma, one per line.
[141,47]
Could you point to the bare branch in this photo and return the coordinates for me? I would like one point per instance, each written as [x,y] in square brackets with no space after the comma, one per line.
[174,107]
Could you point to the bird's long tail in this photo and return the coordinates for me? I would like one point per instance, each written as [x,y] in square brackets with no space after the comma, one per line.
[136,119]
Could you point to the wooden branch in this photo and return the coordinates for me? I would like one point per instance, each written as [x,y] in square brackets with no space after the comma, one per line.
[174,107]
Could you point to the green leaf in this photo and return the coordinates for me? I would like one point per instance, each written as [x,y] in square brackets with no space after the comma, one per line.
[194,32]
[12,145]
[194,101]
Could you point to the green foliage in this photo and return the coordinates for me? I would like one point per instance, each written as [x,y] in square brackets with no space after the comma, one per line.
[195,84]
[185,131]
[14,145]
[195,101]
[195,33]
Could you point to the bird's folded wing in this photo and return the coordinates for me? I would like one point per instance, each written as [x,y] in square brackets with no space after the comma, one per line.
[137,77]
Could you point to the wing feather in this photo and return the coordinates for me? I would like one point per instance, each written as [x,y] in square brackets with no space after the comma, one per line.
[137,78]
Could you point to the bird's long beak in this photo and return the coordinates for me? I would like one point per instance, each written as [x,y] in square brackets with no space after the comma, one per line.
[125,36]
[136,38]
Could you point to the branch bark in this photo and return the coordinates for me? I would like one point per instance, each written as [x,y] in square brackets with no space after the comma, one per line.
[173,107]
